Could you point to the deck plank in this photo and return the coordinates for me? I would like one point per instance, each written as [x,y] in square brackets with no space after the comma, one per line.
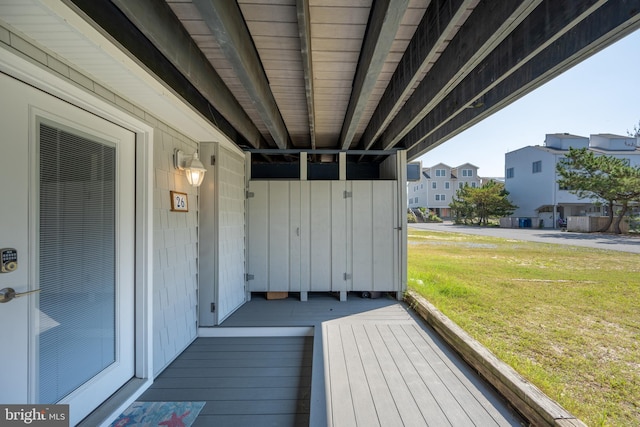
[363,405]
[422,391]
[428,370]
[244,362]
[262,420]
[242,355]
[342,405]
[230,382]
[225,394]
[475,402]
[407,407]
[386,410]
[237,372]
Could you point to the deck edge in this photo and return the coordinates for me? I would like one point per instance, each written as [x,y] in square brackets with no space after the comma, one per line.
[526,398]
[258,331]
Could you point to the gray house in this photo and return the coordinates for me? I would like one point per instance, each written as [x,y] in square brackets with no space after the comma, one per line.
[303,113]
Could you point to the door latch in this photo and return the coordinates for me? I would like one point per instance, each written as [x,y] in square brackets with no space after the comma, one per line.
[8,294]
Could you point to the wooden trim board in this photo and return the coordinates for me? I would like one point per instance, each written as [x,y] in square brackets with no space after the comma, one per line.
[525,397]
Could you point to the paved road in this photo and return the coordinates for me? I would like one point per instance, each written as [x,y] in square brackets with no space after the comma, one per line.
[621,243]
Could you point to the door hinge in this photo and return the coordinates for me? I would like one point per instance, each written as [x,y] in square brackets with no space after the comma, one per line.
[250,194]
[347,276]
[347,194]
[213,307]
[248,277]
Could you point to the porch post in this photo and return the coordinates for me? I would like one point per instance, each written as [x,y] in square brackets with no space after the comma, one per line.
[247,178]
[304,293]
[401,166]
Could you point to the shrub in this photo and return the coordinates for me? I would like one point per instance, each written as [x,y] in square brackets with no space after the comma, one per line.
[434,218]
[411,217]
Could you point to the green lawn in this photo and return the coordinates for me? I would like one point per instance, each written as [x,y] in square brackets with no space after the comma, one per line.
[566,318]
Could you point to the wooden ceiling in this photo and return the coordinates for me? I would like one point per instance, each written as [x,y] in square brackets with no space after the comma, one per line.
[354,75]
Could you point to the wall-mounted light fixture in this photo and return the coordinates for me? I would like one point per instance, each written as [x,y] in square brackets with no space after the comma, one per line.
[192,166]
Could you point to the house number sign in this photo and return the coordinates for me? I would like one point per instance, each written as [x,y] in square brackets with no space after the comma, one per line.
[179,202]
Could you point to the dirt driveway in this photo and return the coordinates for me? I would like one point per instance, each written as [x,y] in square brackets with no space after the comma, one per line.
[623,243]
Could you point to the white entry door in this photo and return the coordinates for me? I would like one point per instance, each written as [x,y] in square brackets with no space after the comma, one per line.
[68,211]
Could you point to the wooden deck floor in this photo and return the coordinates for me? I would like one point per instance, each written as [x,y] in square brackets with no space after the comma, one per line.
[374,364]
[245,381]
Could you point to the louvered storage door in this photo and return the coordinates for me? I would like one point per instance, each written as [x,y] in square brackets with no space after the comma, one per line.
[323,236]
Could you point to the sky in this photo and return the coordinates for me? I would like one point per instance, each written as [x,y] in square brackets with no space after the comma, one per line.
[599,95]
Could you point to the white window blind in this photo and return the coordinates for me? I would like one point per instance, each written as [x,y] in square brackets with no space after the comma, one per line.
[77,260]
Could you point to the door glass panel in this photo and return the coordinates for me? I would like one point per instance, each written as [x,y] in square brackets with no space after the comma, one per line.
[77,260]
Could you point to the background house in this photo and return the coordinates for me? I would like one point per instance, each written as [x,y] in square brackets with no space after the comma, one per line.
[531,178]
[438,185]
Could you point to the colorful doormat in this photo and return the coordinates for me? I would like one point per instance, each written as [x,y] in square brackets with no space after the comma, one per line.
[169,414]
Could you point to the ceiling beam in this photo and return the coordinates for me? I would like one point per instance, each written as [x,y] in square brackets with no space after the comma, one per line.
[304,30]
[601,28]
[153,27]
[438,24]
[489,24]
[320,151]
[384,21]
[541,28]
[225,20]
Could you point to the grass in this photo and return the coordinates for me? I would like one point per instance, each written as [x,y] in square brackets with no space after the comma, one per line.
[566,318]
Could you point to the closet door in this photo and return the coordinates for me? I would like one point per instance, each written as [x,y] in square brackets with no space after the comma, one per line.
[340,234]
[258,236]
[274,236]
[320,236]
[284,236]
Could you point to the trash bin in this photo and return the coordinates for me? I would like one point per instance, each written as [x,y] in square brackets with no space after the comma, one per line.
[521,222]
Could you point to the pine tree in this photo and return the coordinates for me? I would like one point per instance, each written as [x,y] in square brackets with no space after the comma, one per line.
[600,178]
[481,203]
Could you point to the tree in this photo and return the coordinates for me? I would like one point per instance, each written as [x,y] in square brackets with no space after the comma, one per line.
[600,178]
[636,130]
[629,192]
[461,206]
[481,203]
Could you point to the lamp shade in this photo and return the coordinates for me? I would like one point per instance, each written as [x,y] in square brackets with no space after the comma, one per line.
[194,170]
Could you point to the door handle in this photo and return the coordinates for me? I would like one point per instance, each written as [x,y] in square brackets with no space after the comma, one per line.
[7,294]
